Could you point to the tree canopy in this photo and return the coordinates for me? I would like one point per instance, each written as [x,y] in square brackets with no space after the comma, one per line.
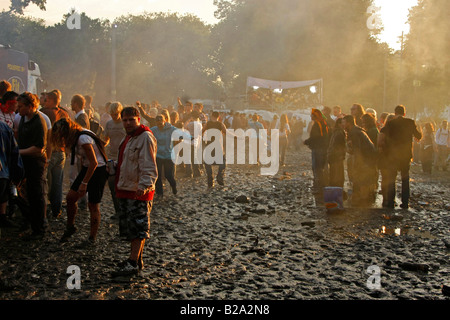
[17,6]
[160,56]
[302,40]
[427,56]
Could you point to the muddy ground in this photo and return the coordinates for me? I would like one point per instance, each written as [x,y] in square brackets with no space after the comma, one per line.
[281,245]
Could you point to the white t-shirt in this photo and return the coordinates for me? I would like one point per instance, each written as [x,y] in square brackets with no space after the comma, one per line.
[104,119]
[85,139]
[116,132]
[287,129]
[8,118]
[442,137]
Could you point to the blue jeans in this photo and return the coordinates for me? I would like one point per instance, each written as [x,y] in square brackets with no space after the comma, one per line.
[194,169]
[220,172]
[55,176]
[166,169]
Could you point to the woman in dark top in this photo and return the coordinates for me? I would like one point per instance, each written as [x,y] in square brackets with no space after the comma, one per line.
[318,143]
[285,130]
[336,155]
[370,125]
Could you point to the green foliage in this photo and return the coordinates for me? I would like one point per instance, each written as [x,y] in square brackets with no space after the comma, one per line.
[427,56]
[17,6]
[290,40]
[158,56]
[161,56]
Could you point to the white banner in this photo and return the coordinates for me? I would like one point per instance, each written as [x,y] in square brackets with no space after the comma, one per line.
[271,84]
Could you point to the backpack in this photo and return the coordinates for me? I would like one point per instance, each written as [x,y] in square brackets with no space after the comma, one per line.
[99,142]
[96,127]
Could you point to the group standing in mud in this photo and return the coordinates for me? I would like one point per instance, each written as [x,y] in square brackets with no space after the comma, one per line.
[370,148]
[131,149]
[35,163]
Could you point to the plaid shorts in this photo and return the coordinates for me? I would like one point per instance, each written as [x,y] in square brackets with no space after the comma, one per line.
[134,219]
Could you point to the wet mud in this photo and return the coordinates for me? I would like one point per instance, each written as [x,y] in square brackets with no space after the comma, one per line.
[257,237]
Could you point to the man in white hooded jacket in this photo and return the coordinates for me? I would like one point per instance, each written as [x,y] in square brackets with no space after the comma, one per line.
[136,177]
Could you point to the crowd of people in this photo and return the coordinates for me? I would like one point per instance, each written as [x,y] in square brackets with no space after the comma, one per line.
[36,136]
[370,148]
[130,149]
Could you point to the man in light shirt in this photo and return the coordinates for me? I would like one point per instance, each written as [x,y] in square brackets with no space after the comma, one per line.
[194,126]
[81,117]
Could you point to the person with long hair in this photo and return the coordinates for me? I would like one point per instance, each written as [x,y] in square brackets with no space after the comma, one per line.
[318,143]
[91,179]
[383,160]
[370,125]
[336,155]
[285,130]
[357,111]
[363,155]
[174,117]
[166,115]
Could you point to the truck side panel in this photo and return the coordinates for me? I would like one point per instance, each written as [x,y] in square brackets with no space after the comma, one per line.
[14,69]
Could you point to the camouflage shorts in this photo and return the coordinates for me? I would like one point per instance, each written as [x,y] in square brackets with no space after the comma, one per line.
[134,219]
